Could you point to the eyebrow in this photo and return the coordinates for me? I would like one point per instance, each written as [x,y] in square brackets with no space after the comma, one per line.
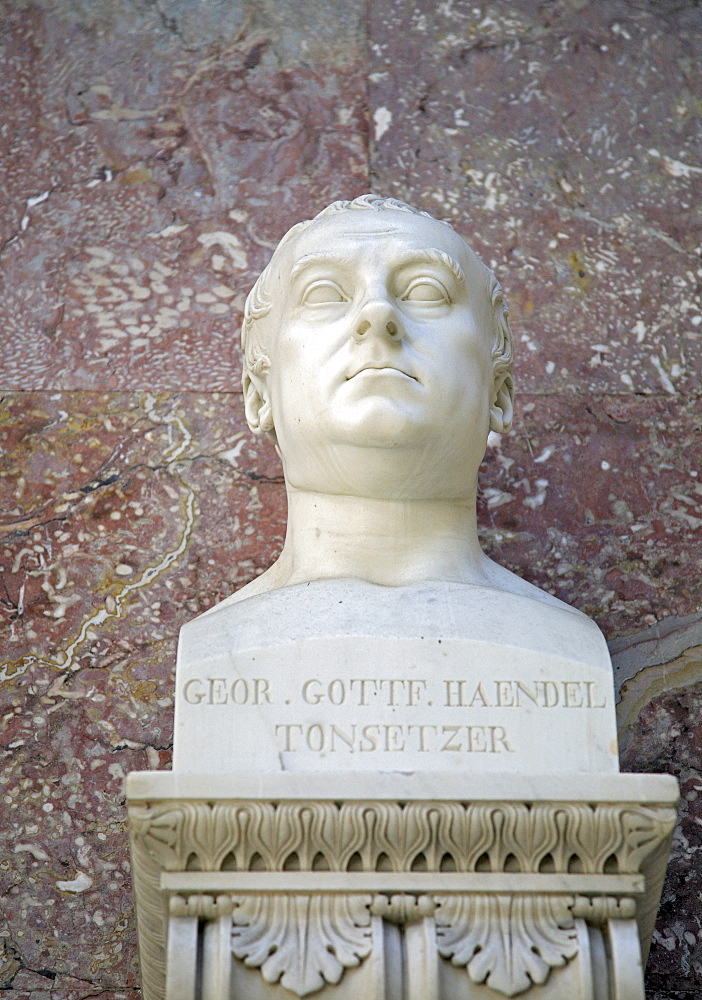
[319,257]
[426,255]
[434,256]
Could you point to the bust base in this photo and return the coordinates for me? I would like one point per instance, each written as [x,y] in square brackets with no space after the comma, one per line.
[345,675]
[388,886]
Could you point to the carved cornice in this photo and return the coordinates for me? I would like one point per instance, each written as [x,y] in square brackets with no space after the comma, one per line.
[362,837]
[388,836]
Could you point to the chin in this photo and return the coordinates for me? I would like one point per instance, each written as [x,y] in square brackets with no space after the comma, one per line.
[381,424]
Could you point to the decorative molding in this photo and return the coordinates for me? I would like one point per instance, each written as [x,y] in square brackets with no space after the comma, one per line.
[201,905]
[152,918]
[403,908]
[356,837]
[508,942]
[389,836]
[597,910]
[303,941]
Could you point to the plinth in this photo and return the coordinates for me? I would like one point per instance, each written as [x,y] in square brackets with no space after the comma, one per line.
[414,798]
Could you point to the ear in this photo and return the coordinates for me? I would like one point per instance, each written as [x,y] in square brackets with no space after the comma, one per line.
[257,404]
[502,407]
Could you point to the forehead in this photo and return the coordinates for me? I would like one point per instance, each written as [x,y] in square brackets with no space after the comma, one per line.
[358,233]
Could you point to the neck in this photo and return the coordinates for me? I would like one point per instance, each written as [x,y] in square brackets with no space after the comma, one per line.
[388,542]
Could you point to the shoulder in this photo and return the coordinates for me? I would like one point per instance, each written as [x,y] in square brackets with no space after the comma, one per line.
[272,579]
[504,579]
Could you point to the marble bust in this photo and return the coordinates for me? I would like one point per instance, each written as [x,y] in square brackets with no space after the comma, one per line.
[377,357]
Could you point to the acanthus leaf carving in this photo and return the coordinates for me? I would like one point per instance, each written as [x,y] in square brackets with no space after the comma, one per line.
[644,829]
[303,941]
[508,942]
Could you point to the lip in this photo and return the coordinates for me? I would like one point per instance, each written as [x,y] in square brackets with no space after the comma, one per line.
[380,368]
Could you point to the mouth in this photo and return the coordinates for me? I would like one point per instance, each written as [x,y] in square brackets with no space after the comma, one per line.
[382,370]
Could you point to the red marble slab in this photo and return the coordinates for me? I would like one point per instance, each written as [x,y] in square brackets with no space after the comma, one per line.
[141,204]
[599,501]
[563,140]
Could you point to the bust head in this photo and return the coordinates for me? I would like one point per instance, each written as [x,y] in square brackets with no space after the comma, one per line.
[377,354]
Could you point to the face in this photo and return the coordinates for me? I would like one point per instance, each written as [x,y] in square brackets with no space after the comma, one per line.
[379,342]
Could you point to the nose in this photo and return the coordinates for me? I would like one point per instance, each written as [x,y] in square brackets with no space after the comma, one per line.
[378,318]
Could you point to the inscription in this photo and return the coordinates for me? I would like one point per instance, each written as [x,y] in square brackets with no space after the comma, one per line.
[390,715]
[220,691]
[389,738]
[393,692]
[518,694]
[363,691]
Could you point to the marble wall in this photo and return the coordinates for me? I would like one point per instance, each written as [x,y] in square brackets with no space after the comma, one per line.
[153,151]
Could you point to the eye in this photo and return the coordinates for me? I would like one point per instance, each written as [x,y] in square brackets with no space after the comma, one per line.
[323,292]
[426,290]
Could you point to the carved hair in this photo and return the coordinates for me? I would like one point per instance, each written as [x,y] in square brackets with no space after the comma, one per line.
[259,303]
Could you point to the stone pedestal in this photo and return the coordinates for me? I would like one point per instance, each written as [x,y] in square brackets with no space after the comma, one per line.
[397,887]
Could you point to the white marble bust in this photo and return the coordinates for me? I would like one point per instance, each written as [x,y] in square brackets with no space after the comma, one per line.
[377,356]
